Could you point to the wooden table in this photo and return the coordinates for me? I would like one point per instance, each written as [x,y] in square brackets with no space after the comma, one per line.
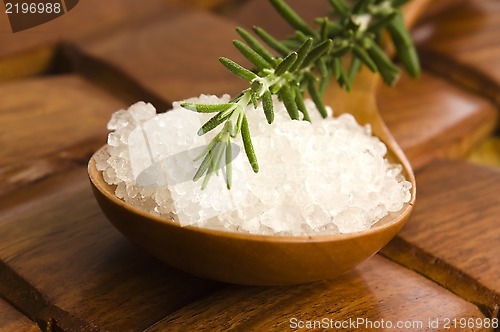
[64,267]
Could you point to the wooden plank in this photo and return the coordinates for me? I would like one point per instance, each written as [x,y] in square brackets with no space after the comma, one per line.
[172,59]
[463,44]
[57,240]
[377,290]
[13,320]
[49,123]
[32,51]
[431,118]
[453,236]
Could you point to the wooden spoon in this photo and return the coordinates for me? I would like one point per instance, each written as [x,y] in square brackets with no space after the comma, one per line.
[267,260]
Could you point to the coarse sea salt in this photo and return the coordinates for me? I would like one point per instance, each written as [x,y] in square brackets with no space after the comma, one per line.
[327,176]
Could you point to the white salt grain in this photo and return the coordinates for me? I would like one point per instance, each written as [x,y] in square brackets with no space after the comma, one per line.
[328,176]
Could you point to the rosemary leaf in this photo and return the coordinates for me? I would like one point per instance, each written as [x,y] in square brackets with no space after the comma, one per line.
[387,69]
[255,99]
[405,50]
[231,127]
[399,3]
[299,101]
[267,104]
[239,122]
[286,63]
[238,70]
[316,97]
[337,68]
[287,97]
[229,164]
[256,87]
[340,7]
[344,80]
[360,5]
[247,144]
[251,55]
[361,54]
[292,43]
[204,108]
[256,46]
[275,88]
[292,17]
[207,178]
[272,42]
[203,166]
[340,48]
[301,54]
[354,68]
[323,84]
[379,23]
[322,68]
[323,30]
[215,121]
[317,51]
[300,36]
[218,151]
[205,151]
[332,28]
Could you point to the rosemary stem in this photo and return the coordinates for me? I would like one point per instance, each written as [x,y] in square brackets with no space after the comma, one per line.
[308,58]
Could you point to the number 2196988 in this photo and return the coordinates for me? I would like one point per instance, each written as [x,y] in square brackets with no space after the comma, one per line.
[32,8]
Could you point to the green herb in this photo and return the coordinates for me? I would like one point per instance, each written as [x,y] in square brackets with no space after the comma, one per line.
[306,62]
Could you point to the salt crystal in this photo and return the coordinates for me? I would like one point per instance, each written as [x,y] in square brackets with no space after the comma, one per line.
[352,220]
[325,177]
[113,139]
[118,120]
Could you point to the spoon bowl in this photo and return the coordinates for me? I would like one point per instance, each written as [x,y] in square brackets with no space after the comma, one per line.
[250,259]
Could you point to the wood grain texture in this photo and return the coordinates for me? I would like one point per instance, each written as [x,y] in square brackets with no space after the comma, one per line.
[378,289]
[432,118]
[49,123]
[453,235]
[30,52]
[55,237]
[12,320]
[166,63]
[463,44]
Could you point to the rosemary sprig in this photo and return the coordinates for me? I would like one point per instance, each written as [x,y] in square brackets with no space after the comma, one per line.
[306,61]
